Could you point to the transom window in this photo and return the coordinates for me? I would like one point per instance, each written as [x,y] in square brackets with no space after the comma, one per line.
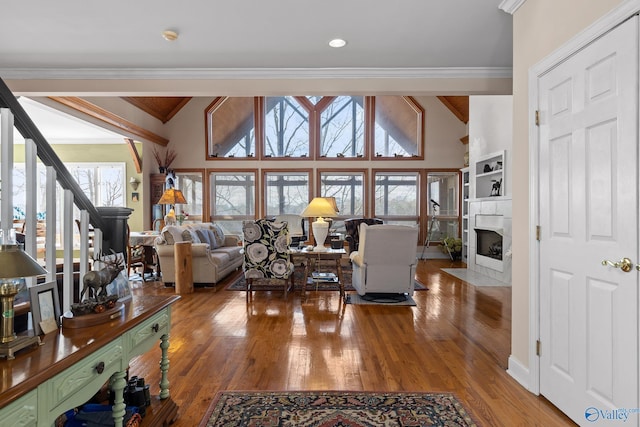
[314,127]
[342,127]
[286,128]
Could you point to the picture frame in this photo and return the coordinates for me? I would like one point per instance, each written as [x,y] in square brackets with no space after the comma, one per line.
[135,197]
[45,307]
[120,285]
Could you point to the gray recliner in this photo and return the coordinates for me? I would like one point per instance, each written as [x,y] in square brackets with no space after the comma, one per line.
[385,261]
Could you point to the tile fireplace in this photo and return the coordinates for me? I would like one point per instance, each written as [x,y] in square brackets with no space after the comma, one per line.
[490,238]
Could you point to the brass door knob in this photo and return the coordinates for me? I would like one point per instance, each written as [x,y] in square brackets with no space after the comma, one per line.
[624,264]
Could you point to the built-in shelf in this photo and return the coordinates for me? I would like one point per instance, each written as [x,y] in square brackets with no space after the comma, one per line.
[489,175]
[465,213]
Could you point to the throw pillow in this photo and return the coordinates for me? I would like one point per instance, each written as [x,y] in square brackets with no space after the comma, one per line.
[219,234]
[172,234]
[204,237]
[212,238]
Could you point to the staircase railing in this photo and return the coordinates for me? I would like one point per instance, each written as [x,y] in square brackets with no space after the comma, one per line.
[36,146]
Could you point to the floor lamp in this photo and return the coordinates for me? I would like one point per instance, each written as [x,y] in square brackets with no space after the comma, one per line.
[320,208]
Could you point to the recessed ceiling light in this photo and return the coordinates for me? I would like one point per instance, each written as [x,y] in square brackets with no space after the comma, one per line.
[169,35]
[337,43]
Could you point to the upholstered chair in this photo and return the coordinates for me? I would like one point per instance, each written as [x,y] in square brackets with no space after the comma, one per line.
[352,230]
[266,253]
[385,261]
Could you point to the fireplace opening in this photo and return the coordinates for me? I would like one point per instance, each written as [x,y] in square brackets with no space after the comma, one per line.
[489,243]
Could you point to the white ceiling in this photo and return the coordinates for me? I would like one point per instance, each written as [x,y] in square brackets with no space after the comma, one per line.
[237,39]
[65,35]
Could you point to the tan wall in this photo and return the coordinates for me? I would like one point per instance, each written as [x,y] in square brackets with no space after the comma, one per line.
[539,28]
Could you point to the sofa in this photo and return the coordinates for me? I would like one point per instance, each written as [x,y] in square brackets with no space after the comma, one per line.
[214,254]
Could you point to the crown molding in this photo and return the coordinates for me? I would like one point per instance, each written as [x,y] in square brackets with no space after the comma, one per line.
[510,6]
[254,73]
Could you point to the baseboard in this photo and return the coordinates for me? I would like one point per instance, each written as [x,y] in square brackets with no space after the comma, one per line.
[518,372]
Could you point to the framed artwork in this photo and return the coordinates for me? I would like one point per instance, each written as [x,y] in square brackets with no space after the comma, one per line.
[120,285]
[45,307]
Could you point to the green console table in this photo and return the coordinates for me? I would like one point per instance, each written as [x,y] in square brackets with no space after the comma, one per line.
[73,364]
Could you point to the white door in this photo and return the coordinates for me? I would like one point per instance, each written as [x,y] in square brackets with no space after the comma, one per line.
[588,199]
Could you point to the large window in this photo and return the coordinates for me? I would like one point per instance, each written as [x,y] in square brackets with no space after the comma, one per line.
[233,199]
[347,188]
[396,197]
[443,195]
[102,183]
[286,192]
[190,183]
[286,128]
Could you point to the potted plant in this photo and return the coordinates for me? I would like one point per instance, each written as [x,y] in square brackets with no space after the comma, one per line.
[453,246]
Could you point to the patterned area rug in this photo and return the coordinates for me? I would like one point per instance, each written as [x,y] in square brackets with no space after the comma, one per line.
[239,283]
[334,409]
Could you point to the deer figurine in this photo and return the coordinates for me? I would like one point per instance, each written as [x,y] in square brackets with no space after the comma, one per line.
[95,282]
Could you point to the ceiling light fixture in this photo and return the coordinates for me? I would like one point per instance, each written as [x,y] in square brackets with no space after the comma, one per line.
[337,43]
[170,35]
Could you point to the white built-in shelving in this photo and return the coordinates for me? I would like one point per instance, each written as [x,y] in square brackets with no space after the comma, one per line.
[465,213]
[489,175]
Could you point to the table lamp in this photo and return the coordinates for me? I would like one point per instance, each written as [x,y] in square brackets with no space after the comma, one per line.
[171,197]
[319,207]
[15,264]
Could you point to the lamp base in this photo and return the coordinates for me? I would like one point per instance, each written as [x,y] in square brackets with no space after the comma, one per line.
[320,231]
[8,349]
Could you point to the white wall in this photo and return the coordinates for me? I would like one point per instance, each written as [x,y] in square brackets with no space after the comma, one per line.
[490,131]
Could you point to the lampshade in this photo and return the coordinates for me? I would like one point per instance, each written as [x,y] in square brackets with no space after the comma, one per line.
[171,196]
[319,207]
[16,263]
[332,200]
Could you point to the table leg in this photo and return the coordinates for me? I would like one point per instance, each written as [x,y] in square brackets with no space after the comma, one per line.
[164,366]
[117,386]
[340,279]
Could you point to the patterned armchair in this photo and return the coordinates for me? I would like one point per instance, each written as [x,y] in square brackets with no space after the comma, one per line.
[266,252]
[352,230]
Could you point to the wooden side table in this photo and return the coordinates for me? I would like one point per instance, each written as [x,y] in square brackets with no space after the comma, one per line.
[310,264]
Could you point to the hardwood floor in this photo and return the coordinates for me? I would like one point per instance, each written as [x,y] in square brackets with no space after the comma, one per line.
[457,339]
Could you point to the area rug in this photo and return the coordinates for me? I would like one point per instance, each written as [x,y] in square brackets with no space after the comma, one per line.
[379,299]
[240,285]
[334,409]
[473,277]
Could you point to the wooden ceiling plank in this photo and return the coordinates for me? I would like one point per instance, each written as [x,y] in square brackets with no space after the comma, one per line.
[461,115]
[103,115]
[162,108]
